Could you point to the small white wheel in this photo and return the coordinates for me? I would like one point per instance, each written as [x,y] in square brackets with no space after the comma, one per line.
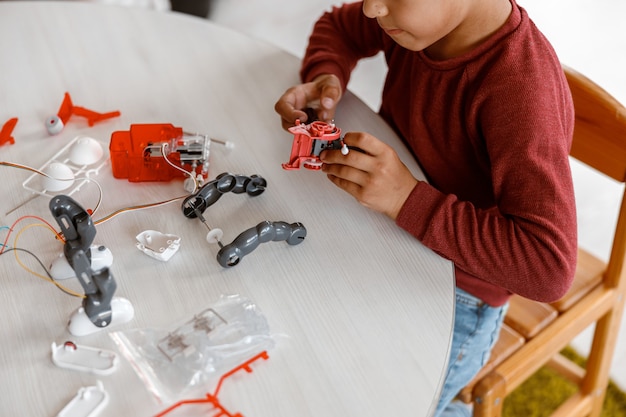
[214,236]
[54,124]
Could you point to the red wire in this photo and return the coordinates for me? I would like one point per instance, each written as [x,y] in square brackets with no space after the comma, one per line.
[6,239]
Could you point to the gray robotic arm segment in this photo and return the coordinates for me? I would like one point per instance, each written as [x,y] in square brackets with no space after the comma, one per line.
[76,226]
[249,240]
[79,232]
[224,183]
[99,289]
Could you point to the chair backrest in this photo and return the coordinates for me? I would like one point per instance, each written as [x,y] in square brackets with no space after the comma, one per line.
[600,142]
[535,333]
[600,130]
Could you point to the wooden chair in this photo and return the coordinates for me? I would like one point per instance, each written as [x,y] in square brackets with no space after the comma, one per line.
[534,333]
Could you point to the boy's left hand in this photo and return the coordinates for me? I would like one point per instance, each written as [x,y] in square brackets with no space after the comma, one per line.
[376,177]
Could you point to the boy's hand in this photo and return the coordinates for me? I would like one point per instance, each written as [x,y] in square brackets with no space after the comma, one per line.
[375,177]
[325,91]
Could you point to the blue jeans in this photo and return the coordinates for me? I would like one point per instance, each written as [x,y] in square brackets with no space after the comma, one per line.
[476,329]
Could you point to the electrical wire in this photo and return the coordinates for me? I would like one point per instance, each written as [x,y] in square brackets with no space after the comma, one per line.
[11,229]
[36,171]
[162,148]
[139,207]
[48,277]
[2,245]
[27,168]
[4,248]
[101,193]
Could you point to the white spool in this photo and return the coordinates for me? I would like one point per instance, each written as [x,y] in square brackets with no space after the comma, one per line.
[54,124]
[214,236]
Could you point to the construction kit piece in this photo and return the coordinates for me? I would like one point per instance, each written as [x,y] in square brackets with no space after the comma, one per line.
[247,241]
[212,398]
[7,130]
[84,358]
[88,402]
[56,123]
[309,140]
[99,308]
[161,152]
[181,341]
[224,183]
[70,168]
[157,245]
[266,231]
[100,257]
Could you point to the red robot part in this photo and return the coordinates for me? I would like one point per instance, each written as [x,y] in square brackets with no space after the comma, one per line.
[309,141]
[212,398]
[55,123]
[7,130]
[158,152]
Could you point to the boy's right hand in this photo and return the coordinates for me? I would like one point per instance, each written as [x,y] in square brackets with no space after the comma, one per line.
[322,94]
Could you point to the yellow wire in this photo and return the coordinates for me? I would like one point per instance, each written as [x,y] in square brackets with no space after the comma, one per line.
[139,207]
[17,258]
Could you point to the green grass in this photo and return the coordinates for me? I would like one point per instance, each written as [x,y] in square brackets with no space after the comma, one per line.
[546,390]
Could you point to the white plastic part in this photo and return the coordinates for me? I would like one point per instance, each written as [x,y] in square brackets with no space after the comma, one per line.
[226,143]
[101,257]
[345,150]
[88,402]
[60,269]
[80,325]
[60,177]
[81,173]
[158,245]
[189,185]
[54,124]
[86,151]
[214,236]
[84,358]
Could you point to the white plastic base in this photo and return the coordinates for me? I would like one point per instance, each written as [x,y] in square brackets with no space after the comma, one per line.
[84,358]
[80,325]
[88,402]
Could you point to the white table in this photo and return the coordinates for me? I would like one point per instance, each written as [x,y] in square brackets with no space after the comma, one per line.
[361,312]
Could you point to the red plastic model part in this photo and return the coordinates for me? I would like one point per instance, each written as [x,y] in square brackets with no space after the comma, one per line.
[7,130]
[68,109]
[309,141]
[212,398]
[137,154]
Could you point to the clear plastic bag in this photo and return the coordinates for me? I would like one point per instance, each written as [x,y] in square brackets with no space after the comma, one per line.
[184,360]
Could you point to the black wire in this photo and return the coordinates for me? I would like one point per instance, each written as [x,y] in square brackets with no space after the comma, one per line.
[9,249]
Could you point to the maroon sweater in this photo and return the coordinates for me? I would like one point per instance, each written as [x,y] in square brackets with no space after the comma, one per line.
[491,130]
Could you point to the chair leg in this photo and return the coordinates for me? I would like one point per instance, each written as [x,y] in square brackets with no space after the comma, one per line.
[601,356]
[489,396]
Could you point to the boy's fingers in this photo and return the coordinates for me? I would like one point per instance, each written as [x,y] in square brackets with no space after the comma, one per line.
[289,106]
[330,94]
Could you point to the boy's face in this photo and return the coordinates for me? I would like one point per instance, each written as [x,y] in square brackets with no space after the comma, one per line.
[417,24]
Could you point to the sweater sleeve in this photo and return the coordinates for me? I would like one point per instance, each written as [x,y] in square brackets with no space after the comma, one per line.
[339,39]
[525,242]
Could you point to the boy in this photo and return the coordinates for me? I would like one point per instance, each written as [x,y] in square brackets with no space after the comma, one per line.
[479,96]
